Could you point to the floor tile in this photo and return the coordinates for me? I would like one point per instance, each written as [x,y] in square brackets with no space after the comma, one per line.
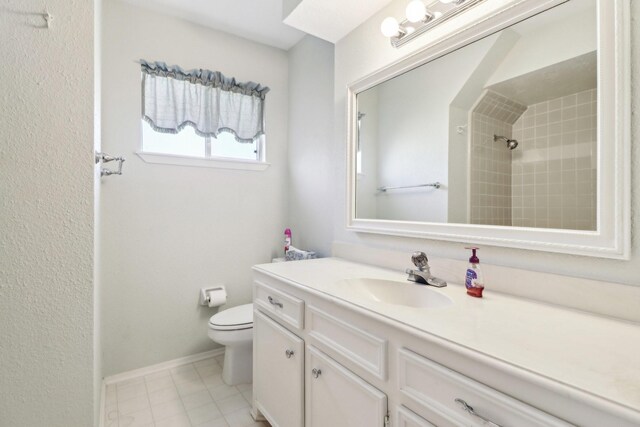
[160,383]
[193,394]
[222,391]
[204,413]
[160,374]
[111,416]
[130,381]
[130,391]
[167,409]
[218,422]
[190,387]
[207,370]
[180,420]
[163,395]
[248,395]
[185,375]
[110,392]
[231,404]
[133,405]
[239,418]
[197,399]
[110,399]
[205,362]
[244,387]
[213,380]
[137,419]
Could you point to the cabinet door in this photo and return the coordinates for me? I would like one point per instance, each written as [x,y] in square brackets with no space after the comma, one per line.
[337,397]
[278,366]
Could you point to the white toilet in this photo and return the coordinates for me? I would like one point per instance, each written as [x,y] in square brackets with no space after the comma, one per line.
[233,328]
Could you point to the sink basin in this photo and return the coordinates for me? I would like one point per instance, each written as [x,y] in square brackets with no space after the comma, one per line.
[406,294]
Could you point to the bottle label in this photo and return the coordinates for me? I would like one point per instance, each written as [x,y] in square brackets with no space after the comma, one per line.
[471,278]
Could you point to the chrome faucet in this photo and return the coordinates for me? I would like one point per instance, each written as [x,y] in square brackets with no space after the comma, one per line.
[423,274]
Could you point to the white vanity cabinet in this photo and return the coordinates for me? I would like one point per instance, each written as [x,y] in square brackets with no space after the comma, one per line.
[296,387]
[337,397]
[279,377]
[321,360]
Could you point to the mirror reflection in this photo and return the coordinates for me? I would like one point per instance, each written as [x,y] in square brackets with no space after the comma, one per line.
[500,132]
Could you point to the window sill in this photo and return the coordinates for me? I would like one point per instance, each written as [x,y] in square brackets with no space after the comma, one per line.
[220,163]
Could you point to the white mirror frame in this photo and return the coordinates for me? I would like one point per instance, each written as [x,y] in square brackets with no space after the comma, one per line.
[612,239]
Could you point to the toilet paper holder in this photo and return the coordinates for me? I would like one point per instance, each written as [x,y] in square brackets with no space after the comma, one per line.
[204,293]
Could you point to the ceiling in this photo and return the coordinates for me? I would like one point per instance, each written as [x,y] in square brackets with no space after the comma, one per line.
[257,20]
[331,20]
[262,20]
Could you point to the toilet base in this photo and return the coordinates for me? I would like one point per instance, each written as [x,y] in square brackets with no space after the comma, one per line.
[238,364]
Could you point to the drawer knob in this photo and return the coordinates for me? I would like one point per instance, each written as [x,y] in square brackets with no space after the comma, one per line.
[316,372]
[274,302]
[289,353]
[470,410]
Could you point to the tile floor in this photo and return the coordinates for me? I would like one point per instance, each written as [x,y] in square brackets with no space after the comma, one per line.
[187,396]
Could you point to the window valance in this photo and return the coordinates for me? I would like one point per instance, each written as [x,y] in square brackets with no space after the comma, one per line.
[206,100]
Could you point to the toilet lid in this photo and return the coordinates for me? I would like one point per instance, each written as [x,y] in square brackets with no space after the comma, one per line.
[239,317]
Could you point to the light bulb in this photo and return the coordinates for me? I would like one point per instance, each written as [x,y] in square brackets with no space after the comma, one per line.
[437,15]
[416,11]
[390,27]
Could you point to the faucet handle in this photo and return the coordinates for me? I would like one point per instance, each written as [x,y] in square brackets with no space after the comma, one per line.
[420,260]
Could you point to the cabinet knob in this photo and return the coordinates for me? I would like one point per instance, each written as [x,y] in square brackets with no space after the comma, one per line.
[289,353]
[274,302]
[316,372]
[469,409]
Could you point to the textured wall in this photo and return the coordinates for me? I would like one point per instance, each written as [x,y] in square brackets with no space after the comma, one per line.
[167,231]
[366,50]
[46,214]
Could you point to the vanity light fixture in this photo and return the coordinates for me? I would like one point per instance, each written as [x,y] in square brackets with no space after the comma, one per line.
[420,19]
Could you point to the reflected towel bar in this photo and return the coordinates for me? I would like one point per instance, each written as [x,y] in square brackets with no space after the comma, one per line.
[435,185]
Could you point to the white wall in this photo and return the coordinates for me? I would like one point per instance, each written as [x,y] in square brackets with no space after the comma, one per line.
[167,231]
[46,214]
[366,50]
[310,135]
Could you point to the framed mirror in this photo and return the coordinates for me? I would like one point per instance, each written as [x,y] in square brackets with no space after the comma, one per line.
[512,130]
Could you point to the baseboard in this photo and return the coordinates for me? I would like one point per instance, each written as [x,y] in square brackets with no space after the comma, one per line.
[160,367]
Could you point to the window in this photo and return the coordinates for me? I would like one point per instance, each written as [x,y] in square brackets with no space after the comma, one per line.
[189,144]
[201,118]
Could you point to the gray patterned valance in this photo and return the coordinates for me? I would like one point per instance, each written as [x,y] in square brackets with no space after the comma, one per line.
[206,100]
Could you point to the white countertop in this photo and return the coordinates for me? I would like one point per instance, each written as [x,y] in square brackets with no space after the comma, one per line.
[595,354]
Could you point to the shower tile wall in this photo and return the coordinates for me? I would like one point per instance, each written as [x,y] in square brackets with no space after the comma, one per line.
[490,194]
[554,166]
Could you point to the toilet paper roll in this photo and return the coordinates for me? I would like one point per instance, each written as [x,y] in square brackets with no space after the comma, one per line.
[217,297]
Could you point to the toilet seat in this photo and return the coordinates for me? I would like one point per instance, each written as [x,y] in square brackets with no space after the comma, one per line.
[234,319]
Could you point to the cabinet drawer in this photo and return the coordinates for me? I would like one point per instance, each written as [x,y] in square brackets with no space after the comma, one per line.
[437,393]
[407,418]
[279,305]
[356,345]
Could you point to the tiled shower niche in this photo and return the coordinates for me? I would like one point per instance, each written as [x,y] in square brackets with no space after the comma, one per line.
[549,180]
